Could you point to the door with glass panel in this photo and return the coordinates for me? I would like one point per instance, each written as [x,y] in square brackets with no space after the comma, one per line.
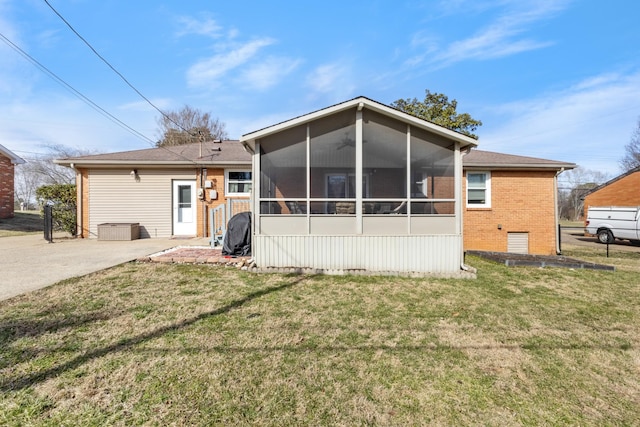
[184,208]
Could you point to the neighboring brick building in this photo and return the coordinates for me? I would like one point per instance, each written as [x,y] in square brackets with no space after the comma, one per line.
[623,190]
[511,203]
[7,162]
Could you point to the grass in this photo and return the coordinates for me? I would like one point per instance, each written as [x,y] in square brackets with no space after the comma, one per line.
[157,344]
[24,222]
[571,224]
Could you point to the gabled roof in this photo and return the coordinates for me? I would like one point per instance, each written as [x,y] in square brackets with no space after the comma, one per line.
[360,102]
[189,155]
[611,181]
[478,159]
[15,159]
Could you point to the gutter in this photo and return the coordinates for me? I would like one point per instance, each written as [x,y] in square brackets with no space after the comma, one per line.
[518,166]
[114,164]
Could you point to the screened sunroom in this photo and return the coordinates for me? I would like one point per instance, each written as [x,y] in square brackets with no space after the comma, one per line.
[357,186]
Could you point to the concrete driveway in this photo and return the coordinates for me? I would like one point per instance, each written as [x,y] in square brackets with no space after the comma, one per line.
[29,262]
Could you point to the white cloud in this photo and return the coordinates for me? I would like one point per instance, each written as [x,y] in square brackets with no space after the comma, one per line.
[265,74]
[503,37]
[206,72]
[588,123]
[29,126]
[203,27]
[331,79]
[162,103]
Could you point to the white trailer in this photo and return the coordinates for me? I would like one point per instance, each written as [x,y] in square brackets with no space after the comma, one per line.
[613,222]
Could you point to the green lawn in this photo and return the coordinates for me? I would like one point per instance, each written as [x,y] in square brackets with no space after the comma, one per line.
[27,222]
[571,224]
[157,344]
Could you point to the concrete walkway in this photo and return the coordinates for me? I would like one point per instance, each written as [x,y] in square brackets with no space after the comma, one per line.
[29,262]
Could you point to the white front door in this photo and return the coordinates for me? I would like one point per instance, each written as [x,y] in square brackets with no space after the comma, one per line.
[184,208]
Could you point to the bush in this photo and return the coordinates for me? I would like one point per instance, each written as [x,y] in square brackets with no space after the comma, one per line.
[62,198]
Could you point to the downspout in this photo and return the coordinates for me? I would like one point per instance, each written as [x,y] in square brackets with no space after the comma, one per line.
[555,208]
[463,266]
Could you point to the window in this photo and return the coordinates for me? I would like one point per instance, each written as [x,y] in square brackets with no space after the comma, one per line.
[478,189]
[238,183]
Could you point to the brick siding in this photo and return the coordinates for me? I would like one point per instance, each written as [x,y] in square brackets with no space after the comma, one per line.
[6,187]
[216,176]
[623,192]
[521,201]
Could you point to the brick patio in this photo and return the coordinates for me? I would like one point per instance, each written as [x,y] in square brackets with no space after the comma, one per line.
[196,255]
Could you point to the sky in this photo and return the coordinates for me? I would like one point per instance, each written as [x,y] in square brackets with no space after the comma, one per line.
[554,79]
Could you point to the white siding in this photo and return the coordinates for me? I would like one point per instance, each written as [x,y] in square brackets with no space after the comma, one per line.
[115,196]
[433,254]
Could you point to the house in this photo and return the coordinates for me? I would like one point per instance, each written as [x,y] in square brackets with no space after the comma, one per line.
[511,203]
[354,186]
[8,160]
[623,190]
[168,191]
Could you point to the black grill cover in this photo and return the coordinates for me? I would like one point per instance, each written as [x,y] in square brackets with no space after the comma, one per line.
[237,240]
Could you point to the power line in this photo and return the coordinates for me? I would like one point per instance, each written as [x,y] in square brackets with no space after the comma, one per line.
[114,69]
[73,90]
[81,96]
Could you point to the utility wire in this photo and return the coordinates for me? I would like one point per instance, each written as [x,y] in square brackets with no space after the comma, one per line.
[73,90]
[84,98]
[116,71]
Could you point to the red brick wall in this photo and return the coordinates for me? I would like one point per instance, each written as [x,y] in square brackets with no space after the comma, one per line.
[623,192]
[521,201]
[6,187]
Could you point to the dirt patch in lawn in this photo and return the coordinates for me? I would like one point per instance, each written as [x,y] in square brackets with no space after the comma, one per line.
[528,260]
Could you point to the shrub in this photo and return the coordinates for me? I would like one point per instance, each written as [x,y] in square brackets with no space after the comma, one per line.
[62,198]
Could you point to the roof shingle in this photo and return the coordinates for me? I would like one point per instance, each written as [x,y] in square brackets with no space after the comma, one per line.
[207,153]
[492,160]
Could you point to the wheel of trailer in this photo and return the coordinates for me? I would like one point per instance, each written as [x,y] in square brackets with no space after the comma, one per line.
[605,236]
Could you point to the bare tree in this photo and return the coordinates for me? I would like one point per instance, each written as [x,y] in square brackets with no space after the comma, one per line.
[25,184]
[631,158]
[40,170]
[187,126]
[573,186]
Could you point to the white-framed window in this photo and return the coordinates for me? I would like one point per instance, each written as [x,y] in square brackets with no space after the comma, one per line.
[479,189]
[237,182]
